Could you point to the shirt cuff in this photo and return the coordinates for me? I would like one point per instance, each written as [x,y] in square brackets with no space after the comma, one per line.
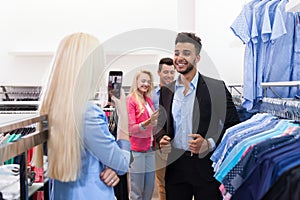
[141,127]
[124,144]
[212,143]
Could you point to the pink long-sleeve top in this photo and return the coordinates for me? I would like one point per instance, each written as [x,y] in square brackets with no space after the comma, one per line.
[140,139]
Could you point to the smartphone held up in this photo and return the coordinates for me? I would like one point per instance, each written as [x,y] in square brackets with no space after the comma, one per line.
[114,84]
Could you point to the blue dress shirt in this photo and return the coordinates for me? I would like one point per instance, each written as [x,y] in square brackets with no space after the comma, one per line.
[254,120]
[280,50]
[235,155]
[242,27]
[182,111]
[155,97]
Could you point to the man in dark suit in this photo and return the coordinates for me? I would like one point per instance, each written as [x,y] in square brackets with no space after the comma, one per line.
[194,113]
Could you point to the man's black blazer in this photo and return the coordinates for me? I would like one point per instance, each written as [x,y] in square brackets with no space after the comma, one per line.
[213,113]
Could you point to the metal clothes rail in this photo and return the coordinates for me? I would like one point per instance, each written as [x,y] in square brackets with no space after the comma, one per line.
[21,146]
[269,85]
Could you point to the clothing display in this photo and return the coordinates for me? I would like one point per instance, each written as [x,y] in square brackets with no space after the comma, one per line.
[13,136]
[286,187]
[18,120]
[268,168]
[9,181]
[13,172]
[284,108]
[254,154]
[20,93]
[271,37]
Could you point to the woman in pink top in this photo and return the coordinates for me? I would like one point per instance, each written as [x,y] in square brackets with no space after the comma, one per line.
[141,120]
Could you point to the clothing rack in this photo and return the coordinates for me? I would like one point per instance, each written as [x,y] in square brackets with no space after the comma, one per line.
[269,85]
[19,99]
[20,93]
[234,87]
[237,94]
[283,108]
[243,155]
[287,108]
[21,146]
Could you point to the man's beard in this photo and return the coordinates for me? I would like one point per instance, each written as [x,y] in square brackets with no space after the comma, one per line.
[188,69]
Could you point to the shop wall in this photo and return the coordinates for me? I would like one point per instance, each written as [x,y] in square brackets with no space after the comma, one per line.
[32,29]
[213,21]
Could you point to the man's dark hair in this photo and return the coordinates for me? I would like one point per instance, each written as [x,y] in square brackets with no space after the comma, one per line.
[165,61]
[185,37]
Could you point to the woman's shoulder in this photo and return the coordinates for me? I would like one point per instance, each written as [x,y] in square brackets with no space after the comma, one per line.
[130,98]
[93,110]
[92,106]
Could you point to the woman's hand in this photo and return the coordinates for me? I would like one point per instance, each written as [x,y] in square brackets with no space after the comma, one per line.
[153,118]
[120,104]
[151,121]
[109,177]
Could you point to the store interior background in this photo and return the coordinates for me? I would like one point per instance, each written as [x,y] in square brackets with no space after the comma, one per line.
[32,30]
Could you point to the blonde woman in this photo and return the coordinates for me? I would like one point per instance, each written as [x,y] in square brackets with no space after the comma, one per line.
[83,156]
[141,119]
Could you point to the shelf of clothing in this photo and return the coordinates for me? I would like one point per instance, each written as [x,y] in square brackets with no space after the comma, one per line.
[21,146]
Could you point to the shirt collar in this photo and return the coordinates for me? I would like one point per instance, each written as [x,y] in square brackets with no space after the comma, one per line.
[193,83]
[195,80]
[157,89]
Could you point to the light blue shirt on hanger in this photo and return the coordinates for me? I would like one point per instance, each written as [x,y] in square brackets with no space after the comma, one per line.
[258,30]
[296,61]
[280,49]
[242,27]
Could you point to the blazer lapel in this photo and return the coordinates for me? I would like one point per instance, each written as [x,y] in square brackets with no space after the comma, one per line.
[196,109]
[202,102]
[170,97]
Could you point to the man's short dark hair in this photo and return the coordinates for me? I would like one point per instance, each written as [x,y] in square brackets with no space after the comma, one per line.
[185,37]
[165,61]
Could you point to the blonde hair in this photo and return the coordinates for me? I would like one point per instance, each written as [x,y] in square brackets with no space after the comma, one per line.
[135,92]
[75,73]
